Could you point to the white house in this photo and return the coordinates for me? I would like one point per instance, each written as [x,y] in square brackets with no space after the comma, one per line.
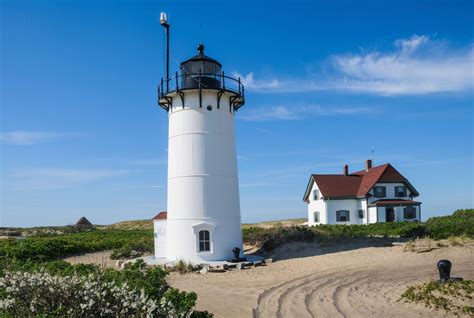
[376,194]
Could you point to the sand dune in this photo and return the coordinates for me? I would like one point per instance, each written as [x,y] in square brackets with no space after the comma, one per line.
[359,282]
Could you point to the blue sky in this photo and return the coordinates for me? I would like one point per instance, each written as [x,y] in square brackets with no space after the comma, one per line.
[81,134]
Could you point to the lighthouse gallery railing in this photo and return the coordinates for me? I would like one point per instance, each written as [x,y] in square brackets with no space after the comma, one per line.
[219,82]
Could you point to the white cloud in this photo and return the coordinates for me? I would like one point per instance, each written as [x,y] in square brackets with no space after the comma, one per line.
[416,66]
[300,112]
[54,178]
[30,137]
[279,85]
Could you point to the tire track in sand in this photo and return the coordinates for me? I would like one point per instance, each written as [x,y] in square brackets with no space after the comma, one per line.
[338,293]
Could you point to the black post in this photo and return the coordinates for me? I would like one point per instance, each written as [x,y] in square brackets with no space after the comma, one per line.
[444,268]
[223,80]
[165,24]
[167,27]
[176,76]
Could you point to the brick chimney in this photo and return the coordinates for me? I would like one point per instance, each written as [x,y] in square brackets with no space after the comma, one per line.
[346,169]
[368,164]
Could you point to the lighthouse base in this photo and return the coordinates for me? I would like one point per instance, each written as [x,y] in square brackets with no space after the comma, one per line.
[203,240]
[154,261]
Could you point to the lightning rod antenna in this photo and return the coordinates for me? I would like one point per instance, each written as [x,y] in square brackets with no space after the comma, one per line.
[164,23]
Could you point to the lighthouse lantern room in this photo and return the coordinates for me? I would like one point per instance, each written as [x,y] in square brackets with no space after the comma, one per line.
[203,214]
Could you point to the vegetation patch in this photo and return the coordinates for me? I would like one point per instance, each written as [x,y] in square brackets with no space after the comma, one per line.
[453,296]
[61,289]
[460,223]
[48,247]
[270,238]
[183,267]
[457,229]
[133,249]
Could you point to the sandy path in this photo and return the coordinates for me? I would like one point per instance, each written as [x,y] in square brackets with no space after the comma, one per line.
[99,258]
[362,282]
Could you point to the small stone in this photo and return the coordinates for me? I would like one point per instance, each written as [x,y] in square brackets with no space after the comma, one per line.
[204,269]
[216,269]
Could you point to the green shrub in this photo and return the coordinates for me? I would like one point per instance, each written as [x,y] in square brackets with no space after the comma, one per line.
[269,238]
[389,229]
[182,267]
[453,296]
[50,247]
[86,290]
[461,223]
[464,213]
[133,249]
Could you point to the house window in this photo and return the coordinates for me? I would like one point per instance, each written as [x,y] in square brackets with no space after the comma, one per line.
[204,241]
[400,191]
[379,192]
[409,212]
[361,214]
[342,216]
[315,194]
[316,217]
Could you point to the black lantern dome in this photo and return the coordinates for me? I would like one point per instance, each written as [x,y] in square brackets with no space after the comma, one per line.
[201,68]
[201,73]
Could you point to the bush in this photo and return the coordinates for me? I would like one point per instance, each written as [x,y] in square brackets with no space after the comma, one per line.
[464,213]
[269,238]
[51,247]
[133,249]
[86,290]
[182,267]
[389,229]
[39,293]
[453,296]
[461,223]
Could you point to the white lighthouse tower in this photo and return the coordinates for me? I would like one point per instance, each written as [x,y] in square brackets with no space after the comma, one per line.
[203,214]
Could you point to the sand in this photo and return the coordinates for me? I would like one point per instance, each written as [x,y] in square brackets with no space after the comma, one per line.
[99,258]
[350,280]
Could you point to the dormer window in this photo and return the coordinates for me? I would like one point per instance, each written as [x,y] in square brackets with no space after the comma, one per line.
[400,191]
[315,194]
[380,192]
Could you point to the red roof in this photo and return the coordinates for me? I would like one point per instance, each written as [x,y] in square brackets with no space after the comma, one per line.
[394,202]
[161,216]
[333,185]
[356,184]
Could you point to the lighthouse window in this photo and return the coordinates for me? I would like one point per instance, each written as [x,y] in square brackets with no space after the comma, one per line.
[204,241]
